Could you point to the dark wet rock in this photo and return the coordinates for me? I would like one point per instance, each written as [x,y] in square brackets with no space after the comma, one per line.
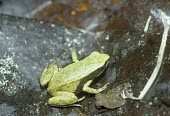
[27,46]
[31,45]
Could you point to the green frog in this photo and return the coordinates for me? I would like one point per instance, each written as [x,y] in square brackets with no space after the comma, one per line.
[63,83]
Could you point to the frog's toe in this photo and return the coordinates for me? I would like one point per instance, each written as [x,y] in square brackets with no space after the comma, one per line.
[81,98]
[74,56]
[105,86]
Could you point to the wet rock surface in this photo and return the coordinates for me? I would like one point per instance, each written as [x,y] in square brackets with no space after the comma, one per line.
[27,46]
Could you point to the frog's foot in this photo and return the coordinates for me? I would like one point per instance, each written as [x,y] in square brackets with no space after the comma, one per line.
[62,98]
[88,89]
[48,73]
[74,56]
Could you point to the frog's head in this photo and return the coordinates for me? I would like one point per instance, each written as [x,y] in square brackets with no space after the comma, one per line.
[100,57]
[48,73]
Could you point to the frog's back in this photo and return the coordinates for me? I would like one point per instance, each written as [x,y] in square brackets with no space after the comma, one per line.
[77,71]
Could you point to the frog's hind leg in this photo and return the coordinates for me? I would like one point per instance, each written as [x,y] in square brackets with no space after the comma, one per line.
[74,56]
[62,98]
[48,73]
[88,89]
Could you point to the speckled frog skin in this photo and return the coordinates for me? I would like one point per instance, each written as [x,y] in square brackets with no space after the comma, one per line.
[62,84]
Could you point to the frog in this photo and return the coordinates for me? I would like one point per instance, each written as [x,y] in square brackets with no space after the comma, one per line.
[62,84]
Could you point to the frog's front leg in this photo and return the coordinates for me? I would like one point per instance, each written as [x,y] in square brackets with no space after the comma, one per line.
[88,89]
[48,73]
[63,98]
[74,56]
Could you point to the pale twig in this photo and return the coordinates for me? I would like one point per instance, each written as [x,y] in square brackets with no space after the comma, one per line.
[165,20]
[147,24]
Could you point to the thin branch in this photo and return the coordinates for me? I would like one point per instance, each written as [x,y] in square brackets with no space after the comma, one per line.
[165,20]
